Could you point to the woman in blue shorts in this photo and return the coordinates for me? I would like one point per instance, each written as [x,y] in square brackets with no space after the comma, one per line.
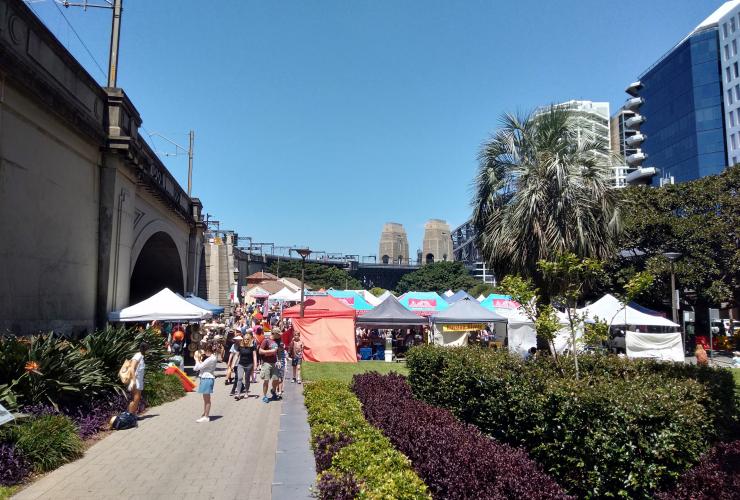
[206,378]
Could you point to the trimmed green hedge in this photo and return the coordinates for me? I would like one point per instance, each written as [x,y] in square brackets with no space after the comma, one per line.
[366,456]
[624,432]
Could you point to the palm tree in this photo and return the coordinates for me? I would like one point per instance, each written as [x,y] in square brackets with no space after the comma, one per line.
[543,188]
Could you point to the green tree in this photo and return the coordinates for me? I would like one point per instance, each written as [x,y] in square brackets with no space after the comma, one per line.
[567,276]
[701,220]
[544,317]
[318,275]
[541,191]
[377,291]
[438,277]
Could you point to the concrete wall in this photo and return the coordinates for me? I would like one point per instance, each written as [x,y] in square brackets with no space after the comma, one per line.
[48,243]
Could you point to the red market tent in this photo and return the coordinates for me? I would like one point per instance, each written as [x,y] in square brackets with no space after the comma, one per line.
[327,329]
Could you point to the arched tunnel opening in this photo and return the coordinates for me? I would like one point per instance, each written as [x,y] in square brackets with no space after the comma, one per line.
[158,266]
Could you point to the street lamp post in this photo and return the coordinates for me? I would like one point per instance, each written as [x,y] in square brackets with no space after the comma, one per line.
[672,256]
[304,253]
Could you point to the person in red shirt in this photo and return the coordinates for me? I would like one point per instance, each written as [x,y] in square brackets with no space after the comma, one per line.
[270,371]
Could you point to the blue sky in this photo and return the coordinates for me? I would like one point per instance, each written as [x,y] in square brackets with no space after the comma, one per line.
[318,121]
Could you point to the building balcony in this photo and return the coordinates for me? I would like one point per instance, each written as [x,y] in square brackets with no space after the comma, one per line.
[634,103]
[635,159]
[635,121]
[635,140]
[633,88]
[641,175]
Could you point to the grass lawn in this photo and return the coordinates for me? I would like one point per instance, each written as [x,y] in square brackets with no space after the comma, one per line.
[736,374]
[345,371]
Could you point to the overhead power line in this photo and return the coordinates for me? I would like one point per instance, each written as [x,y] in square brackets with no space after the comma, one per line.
[80,39]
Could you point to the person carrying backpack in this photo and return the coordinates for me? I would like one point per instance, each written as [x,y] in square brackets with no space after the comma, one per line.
[137,378]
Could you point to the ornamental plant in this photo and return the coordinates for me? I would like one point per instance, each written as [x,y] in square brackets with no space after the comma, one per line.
[48,441]
[455,459]
[14,467]
[716,477]
[359,455]
[611,433]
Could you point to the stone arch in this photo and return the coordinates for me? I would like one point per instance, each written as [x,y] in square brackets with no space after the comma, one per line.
[386,259]
[158,265]
[430,258]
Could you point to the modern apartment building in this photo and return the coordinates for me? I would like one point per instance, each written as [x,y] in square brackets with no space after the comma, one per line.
[593,122]
[681,105]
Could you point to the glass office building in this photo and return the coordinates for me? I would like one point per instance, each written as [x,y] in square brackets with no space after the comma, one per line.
[682,105]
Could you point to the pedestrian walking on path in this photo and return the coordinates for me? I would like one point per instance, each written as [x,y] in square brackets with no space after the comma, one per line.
[269,371]
[245,365]
[206,379]
[137,378]
[295,351]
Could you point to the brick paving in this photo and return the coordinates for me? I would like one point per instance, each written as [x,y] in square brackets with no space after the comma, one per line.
[171,456]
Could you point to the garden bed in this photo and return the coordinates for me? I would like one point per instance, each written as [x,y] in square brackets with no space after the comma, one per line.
[67,392]
[345,371]
[454,459]
[353,459]
[623,429]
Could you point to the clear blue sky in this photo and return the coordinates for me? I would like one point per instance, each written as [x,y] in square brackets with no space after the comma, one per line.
[318,121]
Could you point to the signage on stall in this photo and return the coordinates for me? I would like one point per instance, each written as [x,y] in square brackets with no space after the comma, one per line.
[347,300]
[423,303]
[464,327]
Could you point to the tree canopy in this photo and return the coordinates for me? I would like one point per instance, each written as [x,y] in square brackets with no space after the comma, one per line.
[699,219]
[542,190]
[438,277]
[317,275]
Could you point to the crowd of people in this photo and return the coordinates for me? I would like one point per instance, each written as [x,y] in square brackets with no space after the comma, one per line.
[255,343]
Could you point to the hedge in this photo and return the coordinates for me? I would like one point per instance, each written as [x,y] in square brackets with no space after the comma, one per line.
[455,459]
[47,442]
[717,476]
[354,459]
[603,435]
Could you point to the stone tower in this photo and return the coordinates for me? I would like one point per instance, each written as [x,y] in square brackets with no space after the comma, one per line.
[394,245]
[437,242]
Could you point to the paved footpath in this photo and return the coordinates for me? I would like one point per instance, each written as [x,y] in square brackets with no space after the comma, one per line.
[170,456]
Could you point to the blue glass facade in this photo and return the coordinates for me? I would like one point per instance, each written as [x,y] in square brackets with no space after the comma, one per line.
[683,108]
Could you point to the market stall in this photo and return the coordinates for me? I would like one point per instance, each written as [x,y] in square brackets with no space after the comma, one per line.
[327,329]
[165,305]
[453,326]
[389,315]
[352,299]
[423,303]
[497,301]
[204,304]
[459,295]
[369,297]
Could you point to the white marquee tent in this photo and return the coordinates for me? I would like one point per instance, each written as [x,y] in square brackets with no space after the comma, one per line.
[165,305]
[608,308]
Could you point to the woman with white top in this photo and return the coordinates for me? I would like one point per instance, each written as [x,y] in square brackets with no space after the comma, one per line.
[137,378]
[206,368]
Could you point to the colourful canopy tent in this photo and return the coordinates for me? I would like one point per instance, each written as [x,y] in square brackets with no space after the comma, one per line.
[204,304]
[498,301]
[327,329]
[352,299]
[423,303]
[459,295]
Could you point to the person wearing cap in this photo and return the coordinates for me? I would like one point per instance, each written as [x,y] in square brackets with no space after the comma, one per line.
[269,371]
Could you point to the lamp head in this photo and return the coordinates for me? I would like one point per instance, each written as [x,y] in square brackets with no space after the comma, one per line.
[672,256]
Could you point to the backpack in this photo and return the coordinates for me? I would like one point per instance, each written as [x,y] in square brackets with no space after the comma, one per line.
[125,372]
[123,420]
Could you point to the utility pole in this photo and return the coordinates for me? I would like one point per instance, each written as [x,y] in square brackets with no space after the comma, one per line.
[115,38]
[179,150]
[191,137]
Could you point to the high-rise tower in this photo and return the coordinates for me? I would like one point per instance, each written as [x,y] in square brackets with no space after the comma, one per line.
[394,244]
[437,242]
